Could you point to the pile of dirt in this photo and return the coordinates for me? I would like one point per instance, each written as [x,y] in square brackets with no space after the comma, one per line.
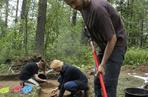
[140,69]
[143,68]
[17,64]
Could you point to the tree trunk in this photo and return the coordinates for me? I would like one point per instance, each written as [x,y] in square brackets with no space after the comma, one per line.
[33,12]
[141,30]
[23,24]
[24,9]
[6,16]
[74,17]
[41,27]
[16,14]
[109,0]
[128,4]
[26,36]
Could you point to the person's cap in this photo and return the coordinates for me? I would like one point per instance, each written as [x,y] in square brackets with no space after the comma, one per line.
[56,64]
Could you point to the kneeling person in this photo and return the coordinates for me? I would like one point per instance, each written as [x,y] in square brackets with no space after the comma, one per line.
[30,73]
[71,79]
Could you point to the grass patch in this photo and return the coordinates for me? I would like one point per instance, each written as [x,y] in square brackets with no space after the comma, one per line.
[136,56]
[4,68]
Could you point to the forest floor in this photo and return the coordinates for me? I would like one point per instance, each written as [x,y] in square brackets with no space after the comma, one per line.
[125,81]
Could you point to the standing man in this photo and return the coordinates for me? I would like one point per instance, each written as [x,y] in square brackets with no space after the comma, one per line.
[30,73]
[106,30]
[71,79]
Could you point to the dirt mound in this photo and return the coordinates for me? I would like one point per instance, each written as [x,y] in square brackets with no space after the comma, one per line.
[143,68]
[140,69]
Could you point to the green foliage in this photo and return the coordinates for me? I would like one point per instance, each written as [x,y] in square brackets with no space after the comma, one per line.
[2,3]
[134,15]
[68,48]
[11,44]
[5,43]
[4,68]
[136,56]
[57,20]
[62,40]
[2,27]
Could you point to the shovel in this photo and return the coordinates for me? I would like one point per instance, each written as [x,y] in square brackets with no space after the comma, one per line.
[100,76]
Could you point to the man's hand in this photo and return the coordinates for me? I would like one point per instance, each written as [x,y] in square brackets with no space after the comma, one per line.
[46,81]
[22,83]
[100,70]
[54,92]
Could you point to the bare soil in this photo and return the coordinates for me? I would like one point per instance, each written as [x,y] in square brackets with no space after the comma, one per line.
[9,83]
[47,87]
[125,81]
[140,69]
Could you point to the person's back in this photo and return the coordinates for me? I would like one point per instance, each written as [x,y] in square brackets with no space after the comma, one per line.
[28,71]
[70,73]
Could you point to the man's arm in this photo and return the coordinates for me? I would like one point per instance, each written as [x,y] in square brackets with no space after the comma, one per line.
[62,90]
[108,51]
[64,79]
[109,48]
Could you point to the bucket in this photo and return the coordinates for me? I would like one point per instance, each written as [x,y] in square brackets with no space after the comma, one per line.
[136,92]
[42,76]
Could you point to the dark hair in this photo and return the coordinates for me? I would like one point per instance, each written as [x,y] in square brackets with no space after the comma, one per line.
[36,58]
[43,62]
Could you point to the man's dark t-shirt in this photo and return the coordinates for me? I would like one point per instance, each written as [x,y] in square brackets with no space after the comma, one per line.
[102,22]
[28,71]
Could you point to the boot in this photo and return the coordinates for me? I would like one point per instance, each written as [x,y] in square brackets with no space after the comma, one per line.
[78,94]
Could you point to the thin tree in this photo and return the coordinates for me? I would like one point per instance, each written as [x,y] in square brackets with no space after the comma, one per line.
[16,14]
[41,20]
[23,23]
[6,14]
[74,17]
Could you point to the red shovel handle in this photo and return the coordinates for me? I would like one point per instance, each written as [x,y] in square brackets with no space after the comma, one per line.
[100,74]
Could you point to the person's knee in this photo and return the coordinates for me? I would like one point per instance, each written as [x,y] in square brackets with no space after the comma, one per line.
[70,86]
[67,86]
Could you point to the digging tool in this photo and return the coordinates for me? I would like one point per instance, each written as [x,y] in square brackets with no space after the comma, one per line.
[100,76]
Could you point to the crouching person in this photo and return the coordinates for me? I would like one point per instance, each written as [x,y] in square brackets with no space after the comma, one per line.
[70,79]
[29,73]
